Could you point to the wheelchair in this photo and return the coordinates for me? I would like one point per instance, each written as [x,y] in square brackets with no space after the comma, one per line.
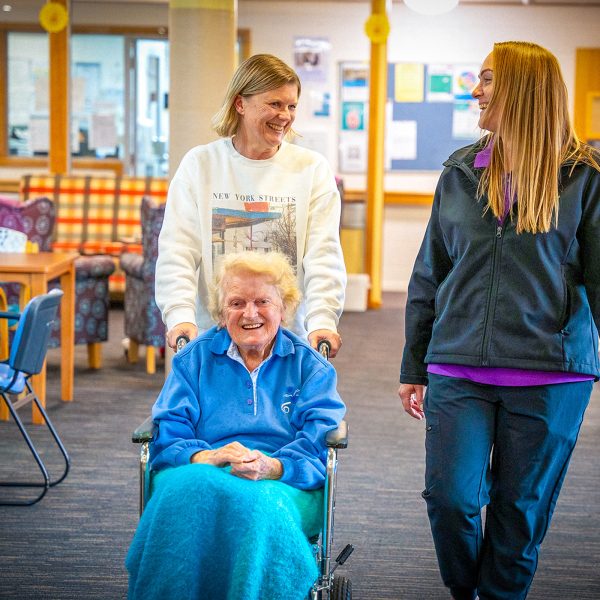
[328,586]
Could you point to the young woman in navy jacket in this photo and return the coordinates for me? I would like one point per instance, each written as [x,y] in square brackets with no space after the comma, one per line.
[502,324]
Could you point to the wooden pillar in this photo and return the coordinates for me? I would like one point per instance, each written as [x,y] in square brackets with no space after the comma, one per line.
[587,79]
[59,159]
[377,28]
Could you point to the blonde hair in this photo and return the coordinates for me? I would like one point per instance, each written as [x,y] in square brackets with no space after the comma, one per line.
[273,266]
[257,74]
[530,98]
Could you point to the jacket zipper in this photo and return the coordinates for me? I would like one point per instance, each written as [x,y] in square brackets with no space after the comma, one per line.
[494,283]
[492,291]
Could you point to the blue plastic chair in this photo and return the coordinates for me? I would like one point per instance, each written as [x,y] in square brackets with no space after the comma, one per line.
[27,355]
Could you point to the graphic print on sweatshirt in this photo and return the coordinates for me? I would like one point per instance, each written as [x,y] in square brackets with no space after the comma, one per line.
[252,221]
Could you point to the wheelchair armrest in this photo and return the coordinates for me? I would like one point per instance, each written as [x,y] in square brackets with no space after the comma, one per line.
[144,432]
[338,438]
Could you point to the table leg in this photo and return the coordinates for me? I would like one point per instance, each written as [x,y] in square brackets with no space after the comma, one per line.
[67,333]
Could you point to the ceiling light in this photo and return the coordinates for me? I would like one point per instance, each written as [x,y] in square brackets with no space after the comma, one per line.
[431,7]
[6,7]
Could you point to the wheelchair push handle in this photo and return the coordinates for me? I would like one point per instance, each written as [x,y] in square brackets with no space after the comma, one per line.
[324,348]
[181,341]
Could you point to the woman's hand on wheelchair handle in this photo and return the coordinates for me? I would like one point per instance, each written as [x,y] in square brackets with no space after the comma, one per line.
[188,330]
[334,339]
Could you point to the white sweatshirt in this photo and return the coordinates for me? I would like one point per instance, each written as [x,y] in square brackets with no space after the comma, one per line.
[221,202]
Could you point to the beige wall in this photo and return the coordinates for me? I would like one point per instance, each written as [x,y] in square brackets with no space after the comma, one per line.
[464,35]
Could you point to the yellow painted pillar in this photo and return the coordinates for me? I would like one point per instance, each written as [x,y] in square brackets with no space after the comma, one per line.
[377,28]
[59,153]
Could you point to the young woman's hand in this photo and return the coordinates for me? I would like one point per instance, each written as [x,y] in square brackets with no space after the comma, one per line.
[412,399]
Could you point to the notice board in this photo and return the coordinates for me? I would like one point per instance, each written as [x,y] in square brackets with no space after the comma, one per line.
[429,113]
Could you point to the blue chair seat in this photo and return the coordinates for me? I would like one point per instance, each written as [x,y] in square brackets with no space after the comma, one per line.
[6,378]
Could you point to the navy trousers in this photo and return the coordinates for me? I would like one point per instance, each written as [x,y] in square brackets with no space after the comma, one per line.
[506,449]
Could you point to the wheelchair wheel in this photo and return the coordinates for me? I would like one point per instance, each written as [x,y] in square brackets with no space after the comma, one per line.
[342,588]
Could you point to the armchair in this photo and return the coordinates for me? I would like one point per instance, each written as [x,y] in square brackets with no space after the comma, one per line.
[143,321]
[36,218]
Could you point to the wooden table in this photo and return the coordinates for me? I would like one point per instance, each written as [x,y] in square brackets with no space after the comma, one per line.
[35,271]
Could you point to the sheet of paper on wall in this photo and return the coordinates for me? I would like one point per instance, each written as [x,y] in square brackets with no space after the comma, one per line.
[39,134]
[311,58]
[400,142]
[103,131]
[409,80]
[465,117]
[355,82]
[439,83]
[353,152]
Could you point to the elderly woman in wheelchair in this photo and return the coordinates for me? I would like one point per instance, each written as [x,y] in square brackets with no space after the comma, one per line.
[243,417]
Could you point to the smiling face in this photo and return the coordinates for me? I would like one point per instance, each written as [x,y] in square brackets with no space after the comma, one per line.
[252,313]
[483,93]
[264,121]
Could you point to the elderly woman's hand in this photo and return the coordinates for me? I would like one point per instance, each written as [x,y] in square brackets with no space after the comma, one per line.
[319,335]
[245,463]
[222,457]
[257,466]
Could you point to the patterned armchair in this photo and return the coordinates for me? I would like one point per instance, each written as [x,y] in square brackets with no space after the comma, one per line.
[143,321]
[36,218]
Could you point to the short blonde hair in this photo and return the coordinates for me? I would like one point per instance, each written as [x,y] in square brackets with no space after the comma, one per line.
[273,266]
[257,74]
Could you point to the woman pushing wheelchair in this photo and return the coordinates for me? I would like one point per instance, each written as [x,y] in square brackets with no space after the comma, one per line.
[243,417]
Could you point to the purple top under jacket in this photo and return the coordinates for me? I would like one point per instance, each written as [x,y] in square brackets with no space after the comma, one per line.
[501,376]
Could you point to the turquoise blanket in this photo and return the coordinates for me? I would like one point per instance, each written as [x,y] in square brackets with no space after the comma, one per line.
[206,534]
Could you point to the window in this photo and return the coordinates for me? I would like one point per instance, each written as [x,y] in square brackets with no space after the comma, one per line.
[28,102]
[98,96]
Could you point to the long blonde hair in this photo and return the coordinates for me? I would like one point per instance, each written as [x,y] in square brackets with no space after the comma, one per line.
[530,98]
[257,74]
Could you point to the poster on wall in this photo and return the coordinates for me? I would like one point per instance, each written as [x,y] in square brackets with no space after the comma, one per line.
[353,152]
[440,79]
[354,82]
[354,95]
[311,58]
[400,138]
[353,116]
[408,79]
[430,112]
[465,119]
[465,80]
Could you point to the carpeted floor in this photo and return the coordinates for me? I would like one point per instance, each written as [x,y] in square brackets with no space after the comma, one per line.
[72,544]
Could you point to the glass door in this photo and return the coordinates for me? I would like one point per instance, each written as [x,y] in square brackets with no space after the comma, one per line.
[148,107]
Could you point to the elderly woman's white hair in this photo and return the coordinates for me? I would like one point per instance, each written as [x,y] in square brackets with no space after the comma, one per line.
[273,266]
